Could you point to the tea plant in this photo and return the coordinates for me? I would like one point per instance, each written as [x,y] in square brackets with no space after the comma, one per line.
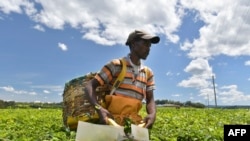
[184,124]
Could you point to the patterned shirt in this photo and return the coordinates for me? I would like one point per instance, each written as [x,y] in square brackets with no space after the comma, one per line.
[137,80]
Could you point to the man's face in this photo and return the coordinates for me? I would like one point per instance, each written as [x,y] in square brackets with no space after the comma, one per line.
[142,48]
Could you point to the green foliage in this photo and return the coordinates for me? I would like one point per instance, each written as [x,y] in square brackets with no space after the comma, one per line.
[185,124]
[33,125]
[190,124]
[127,126]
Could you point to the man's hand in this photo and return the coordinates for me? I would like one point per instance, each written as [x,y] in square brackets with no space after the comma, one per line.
[149,120]
[103,115]
[151,110]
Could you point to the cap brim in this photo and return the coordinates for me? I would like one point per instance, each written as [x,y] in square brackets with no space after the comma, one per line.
[153,39]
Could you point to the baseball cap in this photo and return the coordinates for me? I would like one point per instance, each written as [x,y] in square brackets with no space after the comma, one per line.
[143,35]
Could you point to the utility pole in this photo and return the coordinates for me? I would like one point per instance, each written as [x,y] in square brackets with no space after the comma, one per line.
[214,92]
[208,100]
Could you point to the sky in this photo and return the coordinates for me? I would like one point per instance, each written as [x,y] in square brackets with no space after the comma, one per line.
[46,43]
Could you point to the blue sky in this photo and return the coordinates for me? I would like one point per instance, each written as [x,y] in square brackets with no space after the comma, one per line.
[44,44]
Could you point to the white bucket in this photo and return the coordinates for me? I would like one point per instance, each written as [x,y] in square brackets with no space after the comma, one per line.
[95,132]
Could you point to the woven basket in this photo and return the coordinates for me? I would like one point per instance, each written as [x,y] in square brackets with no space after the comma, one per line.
[75,101]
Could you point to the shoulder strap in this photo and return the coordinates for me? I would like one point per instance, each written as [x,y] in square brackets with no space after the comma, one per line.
[146,72]
[120,76]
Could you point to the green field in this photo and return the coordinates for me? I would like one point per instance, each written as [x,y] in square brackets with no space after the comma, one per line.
[184,124]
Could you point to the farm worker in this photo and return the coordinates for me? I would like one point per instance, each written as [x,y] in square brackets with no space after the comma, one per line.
[138,84]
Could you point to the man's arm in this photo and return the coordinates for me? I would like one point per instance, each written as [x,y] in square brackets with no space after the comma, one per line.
[151,109]
[90,91]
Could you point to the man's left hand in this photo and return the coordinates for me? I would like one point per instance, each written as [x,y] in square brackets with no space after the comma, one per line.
[149,120]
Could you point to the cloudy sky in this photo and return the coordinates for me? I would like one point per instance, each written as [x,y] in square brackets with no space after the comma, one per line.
[46,43]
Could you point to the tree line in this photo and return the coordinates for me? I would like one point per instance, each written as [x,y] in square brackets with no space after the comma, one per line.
[13,104]
[180,104]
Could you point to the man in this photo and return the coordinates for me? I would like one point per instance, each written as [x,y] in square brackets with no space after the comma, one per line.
[138,84]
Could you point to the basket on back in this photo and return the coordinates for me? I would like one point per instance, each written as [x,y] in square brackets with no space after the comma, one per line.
[76,105]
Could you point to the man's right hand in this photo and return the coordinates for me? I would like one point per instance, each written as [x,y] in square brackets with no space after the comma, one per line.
[103,115]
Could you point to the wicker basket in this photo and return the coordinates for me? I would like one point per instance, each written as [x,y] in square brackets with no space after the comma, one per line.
[75,102]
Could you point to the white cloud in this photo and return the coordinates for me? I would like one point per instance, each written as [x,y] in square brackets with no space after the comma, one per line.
[194,82]
[39,27]
[104,22]
[176,95]
[226,95]
[230,87]
[226,25]
[247,63]
[201,74]
[62,46]
[199,66]
[94,35]
[17,6]
[11,89]
[207,93]
[8,88]
[230,95]
[46,91]
[11,6]
[201,78]
[32,93]
[169,73]
[54,88]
